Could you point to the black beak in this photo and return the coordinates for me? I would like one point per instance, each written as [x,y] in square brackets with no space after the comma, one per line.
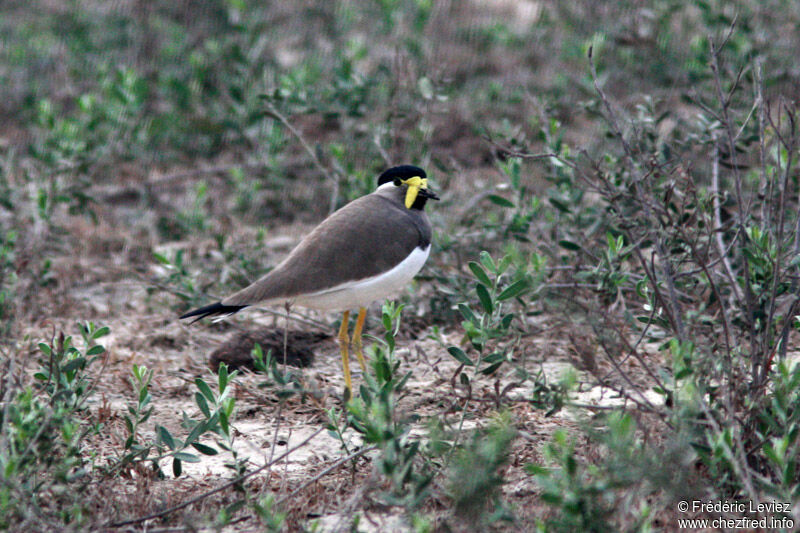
[427,193]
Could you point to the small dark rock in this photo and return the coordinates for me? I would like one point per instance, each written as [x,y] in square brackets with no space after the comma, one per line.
[236,352]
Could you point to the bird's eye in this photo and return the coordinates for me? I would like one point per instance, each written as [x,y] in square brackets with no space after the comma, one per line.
[397,182]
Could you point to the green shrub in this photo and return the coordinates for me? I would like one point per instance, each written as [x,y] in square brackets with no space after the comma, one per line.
[44,432]
[475,477]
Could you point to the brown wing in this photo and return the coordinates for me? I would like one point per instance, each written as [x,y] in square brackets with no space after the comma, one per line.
[364,238]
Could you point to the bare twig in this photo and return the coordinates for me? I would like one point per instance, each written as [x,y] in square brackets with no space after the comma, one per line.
[715,198]
[331,174]
[525,155]
[611,116]
[327,471]
[376,139]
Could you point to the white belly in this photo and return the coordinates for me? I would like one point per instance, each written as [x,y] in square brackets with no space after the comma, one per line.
[361,293]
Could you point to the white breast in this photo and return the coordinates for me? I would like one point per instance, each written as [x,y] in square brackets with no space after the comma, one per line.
[360,293]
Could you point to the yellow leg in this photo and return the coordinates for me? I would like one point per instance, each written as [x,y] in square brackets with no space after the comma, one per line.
[344,340]
[357,346]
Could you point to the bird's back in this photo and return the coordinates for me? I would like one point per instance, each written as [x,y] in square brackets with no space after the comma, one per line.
[345,247]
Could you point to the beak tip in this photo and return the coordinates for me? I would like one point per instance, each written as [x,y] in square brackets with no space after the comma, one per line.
[430,195]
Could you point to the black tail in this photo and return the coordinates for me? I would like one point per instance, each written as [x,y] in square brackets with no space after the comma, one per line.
[216,309]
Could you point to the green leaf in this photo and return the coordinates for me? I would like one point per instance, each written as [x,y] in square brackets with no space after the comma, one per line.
[165,437]
[76,363]
[789,471]
[223,422]
[488,262]
[202,404]
[505,262]
[553,499]
[494,358]
[402,383]
[467,313]
[222,377]
[45,348]
[95,350]
[228,405]
[128,423]
[537,470]
[144,397]
[101,332]
[176,467]
[205,389]
[202,448]
[146,416]
[460,356]
[569,245]
[499,200]
[483,296]
[564,208]
[197,430]
[489,370]
[769,451]
[162,259]
[656,320]
[513,290]
[479,273]
[187,457]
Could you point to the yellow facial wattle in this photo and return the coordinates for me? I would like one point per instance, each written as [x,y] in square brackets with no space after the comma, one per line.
[414,185]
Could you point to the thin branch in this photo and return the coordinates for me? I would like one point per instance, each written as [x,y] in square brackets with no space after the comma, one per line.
[327,471]
[715,199]
[610,114]
[525,155]
[332,174]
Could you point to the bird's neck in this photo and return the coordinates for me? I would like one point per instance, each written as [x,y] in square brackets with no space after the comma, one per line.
[419,203]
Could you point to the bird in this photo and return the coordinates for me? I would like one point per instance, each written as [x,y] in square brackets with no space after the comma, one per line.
[365,251]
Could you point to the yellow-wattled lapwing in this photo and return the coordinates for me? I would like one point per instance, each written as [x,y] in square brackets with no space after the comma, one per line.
[363,252]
